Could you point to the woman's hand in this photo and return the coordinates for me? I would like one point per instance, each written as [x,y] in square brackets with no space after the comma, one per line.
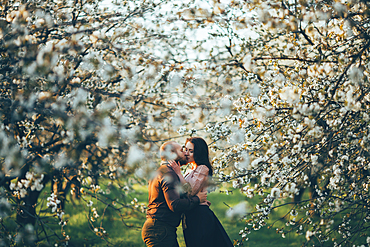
[175,166]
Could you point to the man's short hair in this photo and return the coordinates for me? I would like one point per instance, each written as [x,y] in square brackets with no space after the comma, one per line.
[168,149]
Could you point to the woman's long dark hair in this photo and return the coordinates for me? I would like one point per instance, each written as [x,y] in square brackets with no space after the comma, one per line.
[201,153]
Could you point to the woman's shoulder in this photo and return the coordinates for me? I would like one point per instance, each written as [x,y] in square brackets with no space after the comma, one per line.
[203,169]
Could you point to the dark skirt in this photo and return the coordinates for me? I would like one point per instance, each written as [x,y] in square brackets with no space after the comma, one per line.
[202,228]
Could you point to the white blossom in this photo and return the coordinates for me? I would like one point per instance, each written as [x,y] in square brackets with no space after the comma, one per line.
[238,211]
[135,155]
[275,192]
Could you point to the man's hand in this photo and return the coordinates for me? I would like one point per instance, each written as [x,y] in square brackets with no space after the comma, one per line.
[202,196]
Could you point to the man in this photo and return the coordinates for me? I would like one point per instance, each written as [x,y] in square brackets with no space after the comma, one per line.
[165,202]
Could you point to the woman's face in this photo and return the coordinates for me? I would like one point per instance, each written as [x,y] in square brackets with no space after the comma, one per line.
[189,151]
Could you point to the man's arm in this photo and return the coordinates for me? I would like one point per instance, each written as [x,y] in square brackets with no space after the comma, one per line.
[171,193]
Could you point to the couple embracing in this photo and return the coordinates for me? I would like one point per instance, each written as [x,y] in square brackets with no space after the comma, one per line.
[173,196]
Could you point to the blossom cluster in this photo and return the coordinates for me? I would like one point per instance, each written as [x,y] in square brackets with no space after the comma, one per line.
[31,182]
[54,203]
[279,90]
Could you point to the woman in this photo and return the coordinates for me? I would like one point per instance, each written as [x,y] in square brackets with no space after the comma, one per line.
[201,226]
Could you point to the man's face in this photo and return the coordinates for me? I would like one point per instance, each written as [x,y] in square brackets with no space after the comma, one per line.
[181,157]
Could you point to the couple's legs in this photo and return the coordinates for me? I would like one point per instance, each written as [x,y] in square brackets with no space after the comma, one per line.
[199,227]
[203,229]
[159,234]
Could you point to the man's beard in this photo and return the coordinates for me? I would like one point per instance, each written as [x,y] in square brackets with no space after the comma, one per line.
[182,161]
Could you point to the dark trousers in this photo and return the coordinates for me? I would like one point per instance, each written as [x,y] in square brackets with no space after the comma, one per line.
[203,229]
[159,234]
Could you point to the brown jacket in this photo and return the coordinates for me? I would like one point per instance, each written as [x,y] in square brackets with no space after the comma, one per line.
[165,201]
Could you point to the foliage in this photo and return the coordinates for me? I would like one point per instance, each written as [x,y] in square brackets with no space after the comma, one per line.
[77,90]
[80,234]
[303,124]
[279,88]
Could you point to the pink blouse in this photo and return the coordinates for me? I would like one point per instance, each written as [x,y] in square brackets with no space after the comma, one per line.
[198,178]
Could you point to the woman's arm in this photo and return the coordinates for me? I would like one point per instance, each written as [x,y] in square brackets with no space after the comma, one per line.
[198,179]
[176,167]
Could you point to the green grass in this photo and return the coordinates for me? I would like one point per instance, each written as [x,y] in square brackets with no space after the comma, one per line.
[122,231]
[127,233]
[262,237]
[126,230]
[120,235]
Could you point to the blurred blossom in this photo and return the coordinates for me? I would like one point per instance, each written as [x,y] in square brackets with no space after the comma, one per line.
[46,57]
[225,106]
[5,208]
[265,179]
[247,62]
[275,192]
[140,172]
[290,95]
[168,154]
[188,14]
[237,137]
[309,234]
[107,105]
[80,98]
[129,134]
[263,13]
[192,132]
[182,130]
[177,120]
[219,8]
[179,188]
[52,202]
[124,119]
[106,71]
[321,15]
[290,50]
[260,113]
[26,236]
[238,211]
[135,155]
[87,180]
[245,161]
[294,213]
[44,95]
[348,28]
[340,8]
[169,179]
[61,160]
[355,75]
[175,80]
[270,86]
[254,90]
[196,115]
[314,159]
[106,133]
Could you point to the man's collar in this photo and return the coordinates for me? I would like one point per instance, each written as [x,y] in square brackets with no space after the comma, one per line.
[164,162]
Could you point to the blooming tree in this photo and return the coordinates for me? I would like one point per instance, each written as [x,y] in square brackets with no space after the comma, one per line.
[297,122]
[85,95]
[279,88]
